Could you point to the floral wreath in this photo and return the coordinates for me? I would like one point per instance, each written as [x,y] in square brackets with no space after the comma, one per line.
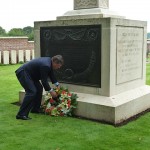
[63,105]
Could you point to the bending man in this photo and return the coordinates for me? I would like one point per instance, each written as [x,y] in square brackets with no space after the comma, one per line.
[29,76]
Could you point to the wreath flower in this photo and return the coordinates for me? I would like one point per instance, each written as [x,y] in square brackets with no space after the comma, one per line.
[63,105]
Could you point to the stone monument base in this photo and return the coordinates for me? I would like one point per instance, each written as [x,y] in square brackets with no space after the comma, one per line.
[89,13]
[113,110]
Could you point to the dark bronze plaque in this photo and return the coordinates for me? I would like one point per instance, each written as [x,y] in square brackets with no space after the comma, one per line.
[81,48]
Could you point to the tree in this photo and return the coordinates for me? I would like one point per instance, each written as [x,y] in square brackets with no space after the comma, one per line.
[2,31]
[31,37]
[26,31]
[29,32]
[16,32]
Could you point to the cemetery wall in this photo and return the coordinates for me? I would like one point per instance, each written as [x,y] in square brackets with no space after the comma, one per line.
[16,49]
[16,43]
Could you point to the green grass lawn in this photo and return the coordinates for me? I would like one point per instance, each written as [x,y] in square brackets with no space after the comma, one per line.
[63,133]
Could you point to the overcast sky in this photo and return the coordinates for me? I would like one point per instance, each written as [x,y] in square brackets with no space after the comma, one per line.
[22,13]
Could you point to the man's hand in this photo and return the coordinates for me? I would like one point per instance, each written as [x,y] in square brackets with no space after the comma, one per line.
[58,87]
[53,94]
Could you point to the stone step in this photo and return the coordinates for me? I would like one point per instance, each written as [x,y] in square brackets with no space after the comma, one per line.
[22,94]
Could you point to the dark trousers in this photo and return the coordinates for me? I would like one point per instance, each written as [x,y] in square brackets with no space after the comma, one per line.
[33,93]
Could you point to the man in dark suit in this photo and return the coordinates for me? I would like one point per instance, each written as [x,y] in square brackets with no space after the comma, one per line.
[29,75]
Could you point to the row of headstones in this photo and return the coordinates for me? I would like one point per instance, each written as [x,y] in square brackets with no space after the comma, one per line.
[14,57]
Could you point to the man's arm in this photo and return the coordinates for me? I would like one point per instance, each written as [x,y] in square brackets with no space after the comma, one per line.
[44,79]
[52,77]
[44,71]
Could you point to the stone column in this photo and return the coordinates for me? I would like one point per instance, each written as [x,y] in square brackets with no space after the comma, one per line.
[86,4]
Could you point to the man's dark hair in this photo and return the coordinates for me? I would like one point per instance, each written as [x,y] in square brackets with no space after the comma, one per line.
[58,59]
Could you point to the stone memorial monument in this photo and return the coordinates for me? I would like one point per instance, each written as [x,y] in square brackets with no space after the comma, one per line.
[105,59]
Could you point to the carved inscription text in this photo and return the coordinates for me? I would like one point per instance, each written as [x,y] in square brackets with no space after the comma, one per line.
[129,53]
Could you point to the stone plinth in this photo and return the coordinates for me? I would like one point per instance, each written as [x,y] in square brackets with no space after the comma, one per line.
[90,9]
[122,92]
[115,109]
[89,13]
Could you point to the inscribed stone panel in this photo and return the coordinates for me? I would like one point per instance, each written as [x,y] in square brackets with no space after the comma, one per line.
[129,53]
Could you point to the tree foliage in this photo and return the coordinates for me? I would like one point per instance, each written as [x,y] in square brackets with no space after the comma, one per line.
[2,31]
[26,31]
[16,32]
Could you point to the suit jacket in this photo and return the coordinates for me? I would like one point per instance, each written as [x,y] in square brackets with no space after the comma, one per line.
[40,69]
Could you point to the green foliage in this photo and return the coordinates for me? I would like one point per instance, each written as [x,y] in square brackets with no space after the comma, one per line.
[29,32]
[26,31]
[74,99]
[2,31]
[16,32]
[31,36]
[21,62]
[62,133]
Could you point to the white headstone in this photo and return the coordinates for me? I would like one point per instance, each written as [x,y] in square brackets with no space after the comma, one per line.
[27,55]
[13,57]
[5,57]
[20,56]
[33,54]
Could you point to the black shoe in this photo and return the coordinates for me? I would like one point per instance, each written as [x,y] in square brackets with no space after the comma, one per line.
[23,117]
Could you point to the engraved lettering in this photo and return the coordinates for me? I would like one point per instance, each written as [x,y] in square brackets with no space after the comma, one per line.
[129,53]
